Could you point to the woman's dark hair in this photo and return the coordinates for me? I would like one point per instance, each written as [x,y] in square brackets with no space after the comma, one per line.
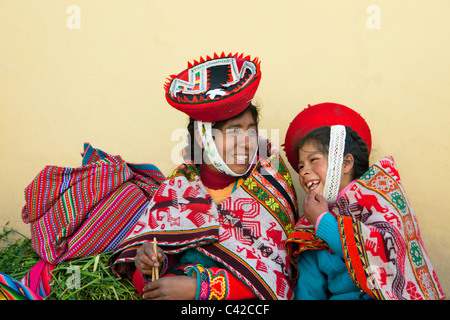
[354,145]
[192,143]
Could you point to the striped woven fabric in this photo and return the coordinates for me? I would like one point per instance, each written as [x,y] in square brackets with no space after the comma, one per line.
[77,212]
[11,289]
[38,279]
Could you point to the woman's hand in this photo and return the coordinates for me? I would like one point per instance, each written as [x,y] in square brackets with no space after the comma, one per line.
[313,206]
[146,259]
[171,288]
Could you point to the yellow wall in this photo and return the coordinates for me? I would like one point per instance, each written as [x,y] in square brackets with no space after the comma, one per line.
[103,83]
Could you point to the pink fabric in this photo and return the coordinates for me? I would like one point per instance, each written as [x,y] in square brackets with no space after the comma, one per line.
[35,275]
[343,191]
[318,220]
[38,278]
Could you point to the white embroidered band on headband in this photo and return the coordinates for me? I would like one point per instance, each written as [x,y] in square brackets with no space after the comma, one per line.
[205,129]
[335,160]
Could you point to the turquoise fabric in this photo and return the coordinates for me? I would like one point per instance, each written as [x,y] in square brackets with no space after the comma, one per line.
[324,275]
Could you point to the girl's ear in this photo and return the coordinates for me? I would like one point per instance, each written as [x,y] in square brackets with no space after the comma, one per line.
[198,138]
[348,163]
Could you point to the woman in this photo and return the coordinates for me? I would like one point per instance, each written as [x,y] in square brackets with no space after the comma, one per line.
[222,217]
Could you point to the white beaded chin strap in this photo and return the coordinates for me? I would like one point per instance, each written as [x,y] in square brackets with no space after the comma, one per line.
[335,160]
[205,129]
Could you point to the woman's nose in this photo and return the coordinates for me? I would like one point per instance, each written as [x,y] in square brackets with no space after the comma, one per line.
[244,139]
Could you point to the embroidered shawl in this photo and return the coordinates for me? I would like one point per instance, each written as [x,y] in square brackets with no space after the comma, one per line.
[246,232]
[380,236]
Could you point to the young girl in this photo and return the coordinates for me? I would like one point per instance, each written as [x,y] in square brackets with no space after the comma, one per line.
[358,238]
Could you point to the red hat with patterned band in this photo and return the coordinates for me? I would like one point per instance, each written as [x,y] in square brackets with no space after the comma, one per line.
[323,114]
[215,89]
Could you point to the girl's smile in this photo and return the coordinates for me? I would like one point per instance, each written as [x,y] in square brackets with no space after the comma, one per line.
[312,185]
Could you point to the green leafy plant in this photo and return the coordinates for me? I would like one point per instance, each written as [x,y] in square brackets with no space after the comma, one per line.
[90,278]
[87,278]
[17,256]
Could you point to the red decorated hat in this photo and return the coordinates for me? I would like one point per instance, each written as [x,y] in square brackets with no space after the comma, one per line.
[215,89]
[323,114]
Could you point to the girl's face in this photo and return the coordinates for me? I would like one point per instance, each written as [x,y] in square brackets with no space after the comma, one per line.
[312,165]
[237,142]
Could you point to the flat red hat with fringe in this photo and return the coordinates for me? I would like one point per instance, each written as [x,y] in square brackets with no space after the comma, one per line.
[215,89]
[323,114]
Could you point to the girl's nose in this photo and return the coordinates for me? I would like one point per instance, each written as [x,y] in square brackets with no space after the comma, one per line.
[304,171]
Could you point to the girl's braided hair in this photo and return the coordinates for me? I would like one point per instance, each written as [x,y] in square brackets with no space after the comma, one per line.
[354,145]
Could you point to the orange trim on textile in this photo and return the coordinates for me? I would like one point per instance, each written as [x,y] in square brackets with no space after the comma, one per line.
[355,260]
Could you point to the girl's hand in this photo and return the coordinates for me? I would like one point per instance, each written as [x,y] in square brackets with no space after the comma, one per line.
[146,259]
[171,288]
[313,206]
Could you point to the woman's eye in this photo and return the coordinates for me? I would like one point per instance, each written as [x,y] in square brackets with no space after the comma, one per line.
[232,132]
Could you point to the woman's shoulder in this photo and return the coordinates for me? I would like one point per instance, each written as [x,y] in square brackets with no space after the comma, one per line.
[272,163]
[187,170]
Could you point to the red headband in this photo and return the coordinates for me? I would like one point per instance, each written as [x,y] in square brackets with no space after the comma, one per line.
[324,114]
[215,89]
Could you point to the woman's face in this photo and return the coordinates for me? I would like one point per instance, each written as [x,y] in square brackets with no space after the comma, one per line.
[237,142]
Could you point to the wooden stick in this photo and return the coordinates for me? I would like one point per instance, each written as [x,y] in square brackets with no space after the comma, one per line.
[155,271]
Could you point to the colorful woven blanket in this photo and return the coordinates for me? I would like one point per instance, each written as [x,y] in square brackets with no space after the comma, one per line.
[245,233]
[11,289]
[381,242]
[76,212]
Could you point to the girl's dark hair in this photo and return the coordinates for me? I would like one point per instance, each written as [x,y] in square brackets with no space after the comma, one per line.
[192,143]
[354,145]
